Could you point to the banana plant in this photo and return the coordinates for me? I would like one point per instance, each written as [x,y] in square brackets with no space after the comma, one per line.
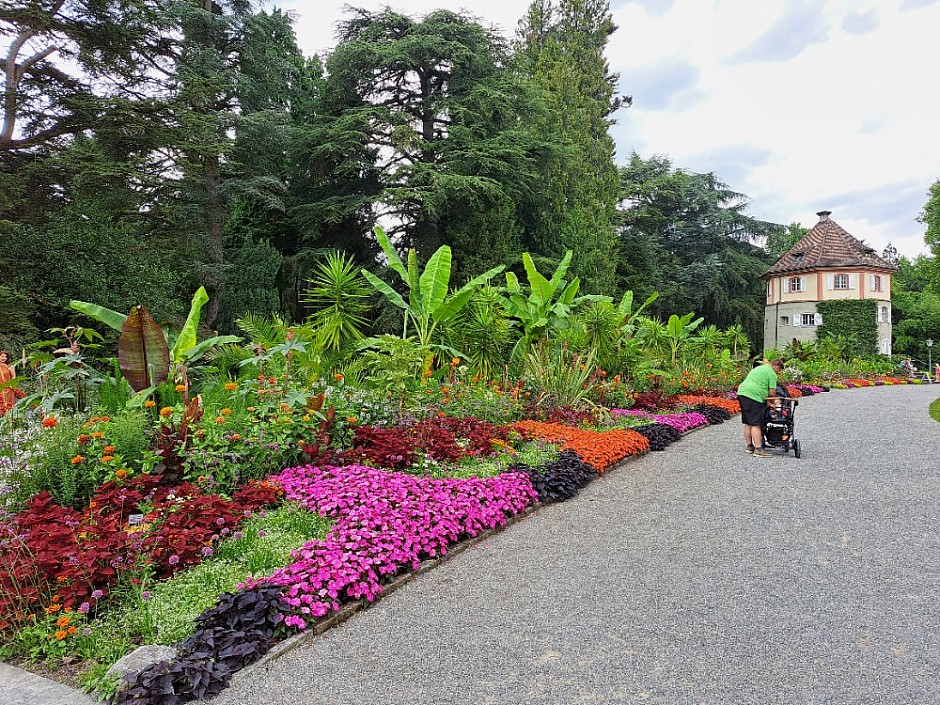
[430,301]
[629,316]
[548,302]
[176,349]
[679,332]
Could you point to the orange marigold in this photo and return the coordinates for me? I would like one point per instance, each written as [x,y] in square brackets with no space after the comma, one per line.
[230,386]
[220,419]
[63,621]
[150,403]
[107,458]
[166,411]
[83,439]
[109,450]
[180,387]
[97,434]
[72,630]
[77,459]
[226,411]
[338,377]
[50,422]
[121,473]
[61,634]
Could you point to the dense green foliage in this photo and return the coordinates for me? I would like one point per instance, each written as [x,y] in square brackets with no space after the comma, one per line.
[209,151]
[856,321]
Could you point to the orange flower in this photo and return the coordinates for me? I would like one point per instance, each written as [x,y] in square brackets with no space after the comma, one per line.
[63,621]
[236,437]
[109,450]
[272,380]
[77,459]
[455,361]
[53,608]
[61,579]
[83,439]
[97,434]
[338,377]
[441,414]
[600,449]
[180,387]
[226,411]
[105,419]
[166,411]
[220,419]
[120,473]
[230,386]
[107,458]
[72,630]
[61,634]
[200,433]
[150,403]
[351,419]
[50,422]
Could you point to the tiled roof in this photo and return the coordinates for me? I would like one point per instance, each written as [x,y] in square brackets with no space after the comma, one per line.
[828,245]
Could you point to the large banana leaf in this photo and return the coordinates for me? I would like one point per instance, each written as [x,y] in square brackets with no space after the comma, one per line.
[435,279]
[143,354]
[459,298]
[110,318]
[561,270]
[385,289]
[187,336]
[394,261]
[199,349]
[541,289]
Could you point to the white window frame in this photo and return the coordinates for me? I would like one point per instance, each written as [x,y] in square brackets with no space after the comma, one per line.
[796,284]
[839,279]
[808,320]
[875,283]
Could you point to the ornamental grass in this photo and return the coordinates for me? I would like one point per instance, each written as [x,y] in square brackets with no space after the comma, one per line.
[599,449]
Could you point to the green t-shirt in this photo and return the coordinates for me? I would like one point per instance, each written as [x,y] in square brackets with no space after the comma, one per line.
[758,383]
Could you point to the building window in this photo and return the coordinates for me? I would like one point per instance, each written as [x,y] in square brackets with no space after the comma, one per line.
[841,281]
[796,284]
[808,319]
[784,320]
[883,314]
[876,283]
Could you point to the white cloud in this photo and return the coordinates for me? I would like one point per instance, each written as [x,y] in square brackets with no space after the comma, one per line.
[800,105]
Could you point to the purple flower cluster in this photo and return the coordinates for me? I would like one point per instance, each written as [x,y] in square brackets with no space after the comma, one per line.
[386,522]
[681,422]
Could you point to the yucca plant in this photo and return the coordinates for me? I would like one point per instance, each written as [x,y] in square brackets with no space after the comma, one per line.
[340,297]
[558,376]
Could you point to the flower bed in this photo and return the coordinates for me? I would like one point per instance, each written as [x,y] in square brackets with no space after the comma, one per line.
[385,522]
[682,422]
[730,405]
[599,449]
[56,557]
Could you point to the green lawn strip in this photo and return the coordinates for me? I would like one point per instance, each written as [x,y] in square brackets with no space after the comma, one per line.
[532,453]
[935,409]
[163,612]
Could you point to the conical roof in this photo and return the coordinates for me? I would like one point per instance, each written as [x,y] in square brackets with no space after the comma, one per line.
[828,246]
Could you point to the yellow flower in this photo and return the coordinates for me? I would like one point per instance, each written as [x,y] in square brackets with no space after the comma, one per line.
[150,403]
[180,387]
[230,386]
[226,411]
[166,411]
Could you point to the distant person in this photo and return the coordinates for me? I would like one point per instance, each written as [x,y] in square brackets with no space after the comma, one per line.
[758,387]
[8,395]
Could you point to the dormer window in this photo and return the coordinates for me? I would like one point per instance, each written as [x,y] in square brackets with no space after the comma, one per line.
[797,256]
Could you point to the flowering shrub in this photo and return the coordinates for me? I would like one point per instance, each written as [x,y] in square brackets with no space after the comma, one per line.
[600,449]
[385,522]
[49,551]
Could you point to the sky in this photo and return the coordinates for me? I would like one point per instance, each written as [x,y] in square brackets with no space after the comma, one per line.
[802,105]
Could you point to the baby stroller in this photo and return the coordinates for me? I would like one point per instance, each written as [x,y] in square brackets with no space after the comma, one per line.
[778,424]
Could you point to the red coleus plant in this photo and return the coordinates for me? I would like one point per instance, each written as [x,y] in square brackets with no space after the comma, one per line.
[51,551]
[442,438]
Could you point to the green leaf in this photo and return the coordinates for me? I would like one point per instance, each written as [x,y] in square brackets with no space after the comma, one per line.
[561,270]
[385,289]
[512,283]
[625,307]
[143,354]
[541,290]
[452,305]
[394,261]
[567,296]
[435,279]
[187,335]
[110,318]
[199,349]
[137,401]
[675,327]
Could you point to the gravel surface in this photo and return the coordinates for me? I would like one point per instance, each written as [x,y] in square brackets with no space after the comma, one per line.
[700,575]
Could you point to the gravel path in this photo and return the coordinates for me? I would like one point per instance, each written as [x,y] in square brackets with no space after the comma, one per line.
[697,576]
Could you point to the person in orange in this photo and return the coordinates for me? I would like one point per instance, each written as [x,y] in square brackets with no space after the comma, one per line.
[8,395]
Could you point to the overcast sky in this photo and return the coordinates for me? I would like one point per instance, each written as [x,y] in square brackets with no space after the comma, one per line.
[803,105]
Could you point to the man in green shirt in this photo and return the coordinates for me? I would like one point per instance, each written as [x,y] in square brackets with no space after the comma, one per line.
[753,393]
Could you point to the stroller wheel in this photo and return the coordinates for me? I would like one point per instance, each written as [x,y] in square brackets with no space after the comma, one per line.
[796,449]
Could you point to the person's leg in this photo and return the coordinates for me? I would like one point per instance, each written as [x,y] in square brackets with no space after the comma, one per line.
[747,439]
[757,438]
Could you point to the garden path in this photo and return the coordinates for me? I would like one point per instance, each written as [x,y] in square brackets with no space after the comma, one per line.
[698,575]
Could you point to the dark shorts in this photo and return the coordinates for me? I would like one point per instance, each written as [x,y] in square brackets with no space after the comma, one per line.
[752,412]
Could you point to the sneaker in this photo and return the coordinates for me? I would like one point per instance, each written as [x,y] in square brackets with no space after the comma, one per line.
[750,450]
[761,453]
